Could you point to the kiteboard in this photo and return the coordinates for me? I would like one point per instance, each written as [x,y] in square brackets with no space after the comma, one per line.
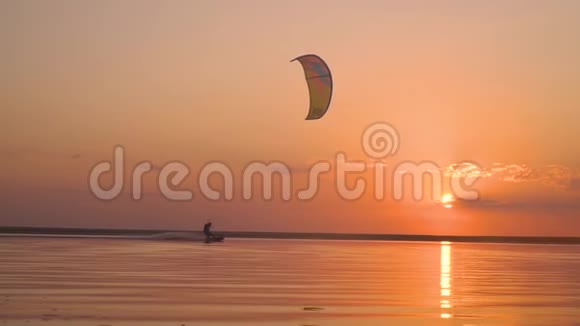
[217,238]
[186,236]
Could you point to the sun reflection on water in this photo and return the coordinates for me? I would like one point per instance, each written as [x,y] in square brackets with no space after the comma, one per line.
[445,281]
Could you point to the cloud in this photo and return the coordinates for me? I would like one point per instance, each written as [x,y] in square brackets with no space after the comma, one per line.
[529,204]
[558,176]
[479,203]
[467,170]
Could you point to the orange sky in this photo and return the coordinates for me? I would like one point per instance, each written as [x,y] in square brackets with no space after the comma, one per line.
[198,81]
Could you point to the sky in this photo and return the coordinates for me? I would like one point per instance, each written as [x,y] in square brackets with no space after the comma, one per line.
[494,83]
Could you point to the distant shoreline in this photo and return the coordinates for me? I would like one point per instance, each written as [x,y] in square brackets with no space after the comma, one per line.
[31,231]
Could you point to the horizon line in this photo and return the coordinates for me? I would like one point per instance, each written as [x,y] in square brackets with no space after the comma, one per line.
[69,231]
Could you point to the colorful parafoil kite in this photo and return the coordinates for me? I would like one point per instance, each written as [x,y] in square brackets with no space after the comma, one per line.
[319,82]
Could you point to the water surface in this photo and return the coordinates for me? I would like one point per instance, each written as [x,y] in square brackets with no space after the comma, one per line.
[91,281]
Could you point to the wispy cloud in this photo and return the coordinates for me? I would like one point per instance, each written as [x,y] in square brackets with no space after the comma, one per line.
[528,204]
[554,175]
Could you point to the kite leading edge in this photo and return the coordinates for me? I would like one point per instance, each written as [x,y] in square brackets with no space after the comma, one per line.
[319,82]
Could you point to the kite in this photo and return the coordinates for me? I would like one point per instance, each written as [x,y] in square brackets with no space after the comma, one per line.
[319,82]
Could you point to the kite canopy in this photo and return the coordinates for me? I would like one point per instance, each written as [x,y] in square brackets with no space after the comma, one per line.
[319,82]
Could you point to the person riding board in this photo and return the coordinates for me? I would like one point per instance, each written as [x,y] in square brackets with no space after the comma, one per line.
[207,231]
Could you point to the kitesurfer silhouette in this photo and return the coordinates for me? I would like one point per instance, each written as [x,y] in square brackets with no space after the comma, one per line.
[207,231]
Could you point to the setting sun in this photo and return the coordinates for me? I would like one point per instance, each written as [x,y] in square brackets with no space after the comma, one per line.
[447,200]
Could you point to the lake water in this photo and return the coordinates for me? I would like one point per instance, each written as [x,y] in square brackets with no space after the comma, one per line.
[84,281]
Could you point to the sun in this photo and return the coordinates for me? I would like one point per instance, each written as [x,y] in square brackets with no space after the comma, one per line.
[447,200]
